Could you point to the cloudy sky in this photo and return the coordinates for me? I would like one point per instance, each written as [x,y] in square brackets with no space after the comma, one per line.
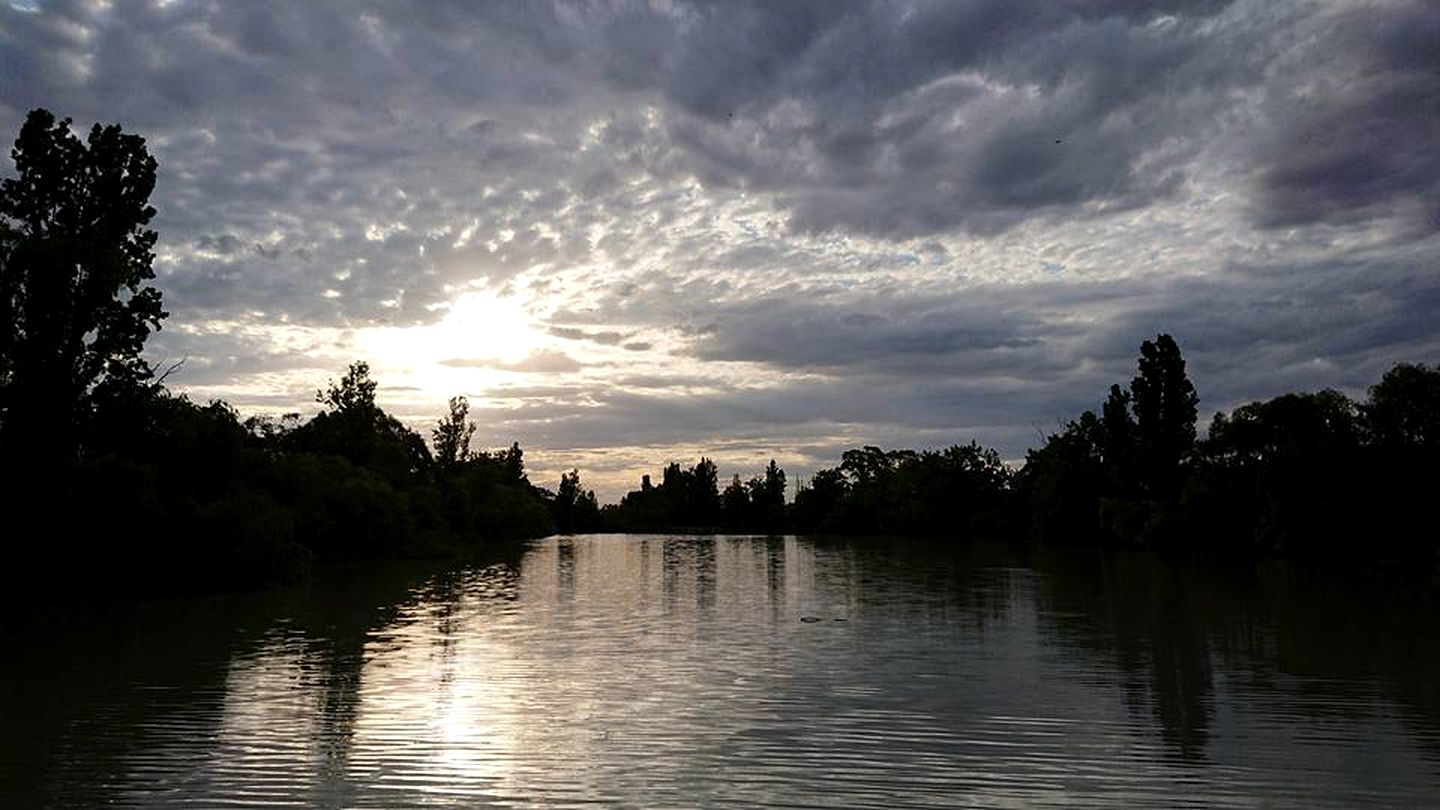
[638,232]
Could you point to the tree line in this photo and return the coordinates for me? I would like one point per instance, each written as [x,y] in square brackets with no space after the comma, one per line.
[111,477]
[122,485]
[1300,474]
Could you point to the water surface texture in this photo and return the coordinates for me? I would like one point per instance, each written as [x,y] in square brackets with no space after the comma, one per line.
[686,671]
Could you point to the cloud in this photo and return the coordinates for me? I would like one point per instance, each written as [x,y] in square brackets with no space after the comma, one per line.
[1358,144]
[541,361]
[788,225]
[572,333]
[975,116]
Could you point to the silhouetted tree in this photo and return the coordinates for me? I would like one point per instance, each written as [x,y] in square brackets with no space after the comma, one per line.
[1118,439]
[703,503]
[1402,418]
[514,463]
[1063,481]
[452,434]
[1404,407]
[574,507]
[1279,475]
[1118,476]
[355,428]
[75,262]
[767,499]
[822,505]
[1165,411]
[735,505]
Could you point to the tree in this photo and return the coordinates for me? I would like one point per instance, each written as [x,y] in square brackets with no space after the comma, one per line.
[514,463]
[1165,403]
[767,498]
[75,262]
[1403,420]
[452,434]
[1281,475]
[1117,441]
[821,505]
[703,507]
[1404,407]
[574,507]
[735,505]
[357,429]
[1063,483]
[354,395]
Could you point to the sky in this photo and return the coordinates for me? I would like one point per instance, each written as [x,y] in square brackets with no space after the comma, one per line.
[633,233]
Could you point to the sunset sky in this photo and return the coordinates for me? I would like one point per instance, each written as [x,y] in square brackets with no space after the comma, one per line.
[639,232]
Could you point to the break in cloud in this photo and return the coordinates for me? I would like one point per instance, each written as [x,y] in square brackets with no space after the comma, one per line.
[635,232]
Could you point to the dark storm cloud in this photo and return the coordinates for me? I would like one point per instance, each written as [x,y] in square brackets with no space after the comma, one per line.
[1036,354]
[1365,147]
[1001,362]
[292,127]
[903,121]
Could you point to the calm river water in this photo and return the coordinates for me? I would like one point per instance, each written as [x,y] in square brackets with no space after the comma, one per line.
[678,671]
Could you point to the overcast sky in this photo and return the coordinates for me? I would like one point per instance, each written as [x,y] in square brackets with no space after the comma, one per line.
[638,232]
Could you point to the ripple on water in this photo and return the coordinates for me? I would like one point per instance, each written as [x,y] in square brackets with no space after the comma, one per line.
[680,672]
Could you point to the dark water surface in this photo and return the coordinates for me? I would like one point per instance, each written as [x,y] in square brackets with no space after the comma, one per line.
[675,671]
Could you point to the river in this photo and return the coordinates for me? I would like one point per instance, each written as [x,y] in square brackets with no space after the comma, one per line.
[742,671]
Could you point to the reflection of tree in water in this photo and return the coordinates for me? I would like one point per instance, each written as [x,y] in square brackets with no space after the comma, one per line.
[366,608]
[1341,631]
[80,695]
[967,584]
[1314,643]
[167,681]
[565,568]
[1145,616]
[705,574]
[774,550]
[338,624]
[671,559]
[686,559]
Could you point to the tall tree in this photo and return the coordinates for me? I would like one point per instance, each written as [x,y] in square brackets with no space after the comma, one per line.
[767,498]
[704,500]
[1117,442]
[735,505]
[1165,403]
[451,435]
[75,264]
[355,427]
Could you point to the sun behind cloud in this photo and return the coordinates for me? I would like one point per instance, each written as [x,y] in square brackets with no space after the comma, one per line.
[482,337]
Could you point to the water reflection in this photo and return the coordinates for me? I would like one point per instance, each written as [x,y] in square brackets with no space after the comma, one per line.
[1144,619]
[745,671]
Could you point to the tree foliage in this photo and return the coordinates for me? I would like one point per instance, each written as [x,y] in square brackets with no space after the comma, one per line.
[452,435]
[574,508]
[687,499]
[1164,402]
[75,264]
[143,488]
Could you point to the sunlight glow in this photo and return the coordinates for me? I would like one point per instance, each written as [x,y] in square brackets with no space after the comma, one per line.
[481,334]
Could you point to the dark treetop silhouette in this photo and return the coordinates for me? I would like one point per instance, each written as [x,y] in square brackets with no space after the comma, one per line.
[132,488]
[75,305]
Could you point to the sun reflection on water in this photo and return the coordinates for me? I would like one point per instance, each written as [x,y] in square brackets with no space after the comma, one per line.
[684,671]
